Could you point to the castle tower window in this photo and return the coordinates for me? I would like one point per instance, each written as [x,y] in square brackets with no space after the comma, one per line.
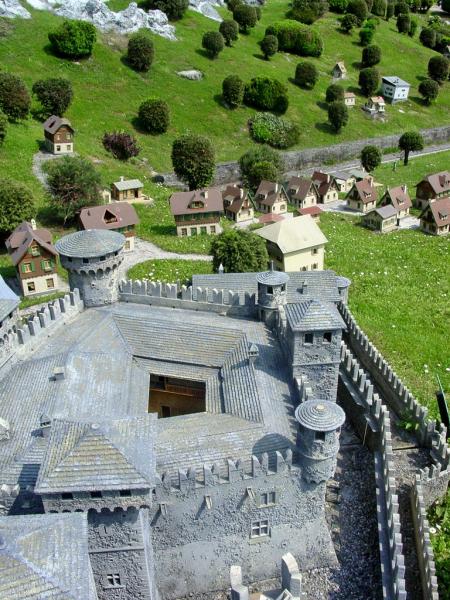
[267,499]
[327,337]
[96,494]
[309,338]
[66,496]
[260,528]
[320,436]
[125,493]
[270,290]
[113,580]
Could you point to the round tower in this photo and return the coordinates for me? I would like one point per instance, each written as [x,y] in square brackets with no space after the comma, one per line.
[343,284]
[271,294]
[92,258]
[318,438]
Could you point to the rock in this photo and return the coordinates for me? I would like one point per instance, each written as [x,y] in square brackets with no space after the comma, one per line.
[192,74]
[206,8]
[12,8]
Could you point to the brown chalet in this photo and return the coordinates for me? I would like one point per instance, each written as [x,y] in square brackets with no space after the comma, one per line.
[270,197]
[236,204]
[363,196]
[32,253]
[197,212]
[58,134]
[326,187]
[399,198]
[118,216]
[302,192]
[432,187]
[435,218]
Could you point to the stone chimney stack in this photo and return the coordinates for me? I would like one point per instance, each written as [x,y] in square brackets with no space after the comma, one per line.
[276,188]
[122,178]
[241,192]
[33,224]
[205,194]
[45,424]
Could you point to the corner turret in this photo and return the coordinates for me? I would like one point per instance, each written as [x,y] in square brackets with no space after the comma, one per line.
[272,294]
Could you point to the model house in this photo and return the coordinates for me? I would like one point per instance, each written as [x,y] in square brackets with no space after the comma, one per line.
[399,198]
[118,216]
[360,175]
[197,212]
[382,219]
[362,197]
[375,105]
[271,197]
[128,190]
[343,180]
[326,187]
[269,218]
[295,244]
[435,218]
[312,211]
[394,89]
[35,258]
[302,192]
[237,205]
[339,71]
[349,99]
[58,134]
[431,188]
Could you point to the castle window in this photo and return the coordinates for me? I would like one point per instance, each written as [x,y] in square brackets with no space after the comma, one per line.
[102,257]
[96,494]
[309,338]
[327,337]
[270,289]
[66,496]
[260,528]
[267,499]
[113,580]
[85,260]
[319,436]
[125,493]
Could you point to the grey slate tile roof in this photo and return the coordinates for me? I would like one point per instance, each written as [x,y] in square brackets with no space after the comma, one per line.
[128,184]
[90,243]
[320,415]
[396,81]
[313,315]
[53,123]
[45,557]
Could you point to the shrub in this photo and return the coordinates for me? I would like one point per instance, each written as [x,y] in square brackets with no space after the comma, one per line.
[140,51]
[337,115]
[410,141]
[338,6]
[445,5]
[258,13]
[379,8]
[308,11]
[265,93]
[438,68]
[154,115]
[401,8]
[334,93]
[371,55]
[193,160]
[239,251]
[213,43]
[359,9]
[122,145]
[17,204]
[269,46]
[296,38]
[73,39]
[174,9]
[348,22]
[266,128]
[231,4]
[15,99]
[230,31]
[3,127]
[306,75]
[260,163]
[369,80]
[428,37]
[245,16]
[429,89]
[403,23]
[390,10]
[370,157]
[55,95]
[233,90]
[366,35]
[413,26]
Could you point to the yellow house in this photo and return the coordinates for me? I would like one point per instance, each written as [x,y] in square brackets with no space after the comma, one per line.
[295,244]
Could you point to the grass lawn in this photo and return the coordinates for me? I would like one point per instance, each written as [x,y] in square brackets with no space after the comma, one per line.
[169,271]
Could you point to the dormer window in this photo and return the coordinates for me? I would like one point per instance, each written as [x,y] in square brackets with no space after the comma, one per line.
[309,338]
[110,217]
[197,204]
[327,337]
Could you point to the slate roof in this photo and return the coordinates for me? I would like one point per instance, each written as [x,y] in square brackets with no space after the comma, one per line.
[342,175]
[91,243]
[364,190]
[272,277]
[385,212]
[440,209]
[396,81]
[300,187]
[320,415]
[399,197]
[322,181]
[109,216]
[270,191]
[313,315]
[234,198]
[439,182]
[341,66]
[269,218]
[21,239]
[128,184]
[293,235]
[45,556]
[180,202]
[8,300]
[53,123]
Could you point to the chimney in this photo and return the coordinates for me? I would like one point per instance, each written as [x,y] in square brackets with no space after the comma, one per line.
[122,178]
[276,188]
[241,192]
[33,224]
[59,373]
[253,353]
[45,423]
[205,194]
[220,269]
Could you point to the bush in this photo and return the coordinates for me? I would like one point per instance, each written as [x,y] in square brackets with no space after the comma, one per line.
[3,127]
[348,22]
[445,5]
[154,115]
[265,93]
[230,31]
[233,90]
[193,160]
[266,128]
[17,204]
[334,93]
[260,163]
[428,37]
[438,68]
[371,55]
[338,6]
[401,8]
[359,9]
[366,35]
[73,39]
[231,4]
[239,251]
[122,145]
[174,9]
[370,157]
[15,99]
[140,51]
[369,80]
[379,8]
[296,38]
[306,75]
[410,141]
[403,23]
[213,43]
[308,11]
[337,115]
[390,10]
[55,95]
[269,46]
[245,16]
[429,89]
[413,26]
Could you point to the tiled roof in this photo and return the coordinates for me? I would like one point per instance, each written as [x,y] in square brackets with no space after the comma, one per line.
[310,210]
[270,218]
[90,243]
[128,184]
[211,200]
[21,238]
[320,415]
[299,187]
[293,235]
[8,299]
[440,210]
[365,190]
[439,182]
[386,212]
[399,197]
[270,191]
[53,123]
[109,216]
[396,81]
[313,315]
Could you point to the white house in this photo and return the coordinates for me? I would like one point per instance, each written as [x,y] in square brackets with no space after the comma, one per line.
[394,89]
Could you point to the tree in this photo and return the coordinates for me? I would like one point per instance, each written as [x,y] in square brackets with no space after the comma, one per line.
[193,160]
[230,31]
[348,22]
[15,99]
[429,89]
[411,141]
[269,46]
[265,93]
[438,67]
[233,90]
[260,163]
[17,204]
[371,55]
[239,251]
[334,93]
[296,38]
[370,157]
[337,115]
[174,9]
[73,39]
[403,23]
[366,35]
[445,5]
[413,26]
[428,37]
[308,11]
[3,127]
[154,115]
[54,94]
[359,9]
[401,8]
[72,183]
[140,51]
[306,75]
[231,4]
[122,145]
[369,80]
[245,16]
[213,43]
[390,10]
[338,6]
[379,8]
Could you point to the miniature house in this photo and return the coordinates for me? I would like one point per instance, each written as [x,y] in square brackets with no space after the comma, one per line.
[58,134]
[128,190]
[382,219]
[302,192]
[326,187]
[339,71]
[271,197]
[236,204]
[394,89]
[375,105]
[118,216]
[363,196]
[399,198]
[431,188]
[435,218]
[197,212]
[349,99]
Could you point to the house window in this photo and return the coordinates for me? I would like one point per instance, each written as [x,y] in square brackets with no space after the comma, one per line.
[193,230]
[50,283]
[35,251]
[283,207]
[309,338]
[203,230]
[327,337]
[314,266]
[66,496]
[260,528]
[85,260]
[68,136]
[127,245]
[125,493]
[270,290]
[184,231]
[319,436]
[96,494]
[213,229]
[58,148]
[46,265]
[31,287]
[267,499]
[315,251]
[113,580]
[27,268]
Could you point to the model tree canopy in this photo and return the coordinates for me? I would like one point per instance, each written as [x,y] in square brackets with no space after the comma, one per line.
[260,163]
[337,115]
[306,74]
[17,204]
[438,67]
[369,80]
[239,251]
[154,115]
[73,39]
[233,90]
[15,100]
[193,160]
[269,46]
[140,51]
[245,16]
[370,157]
[230,31]
[334,93]
[213,43]
[54,94]
[411,141]
[429,89]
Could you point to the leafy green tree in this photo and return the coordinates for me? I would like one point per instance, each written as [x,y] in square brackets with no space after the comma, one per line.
[308,11]
[154,115]
[233,90]
[54,94]
[379,8]
[337,115]
[3,127]
[366,35]
[370,157]
[428,37]
[231,4]
[371,55]
[15,99]
[369,80]
[269,46]
[306,75]
[403,23]
[296,38]
[140,51]
[17,204]
[438,67]
[401,8]
[193,160]
[390,10]
[265,93]
[174,9]
[429,89]
[230,31]
[260,163]
[348,22]
[245,16]
[414,23]
[338,6]
[359,9]
[213,43]
[411,141]
[73,183]
[239,251]
[73,39]
[334,93]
